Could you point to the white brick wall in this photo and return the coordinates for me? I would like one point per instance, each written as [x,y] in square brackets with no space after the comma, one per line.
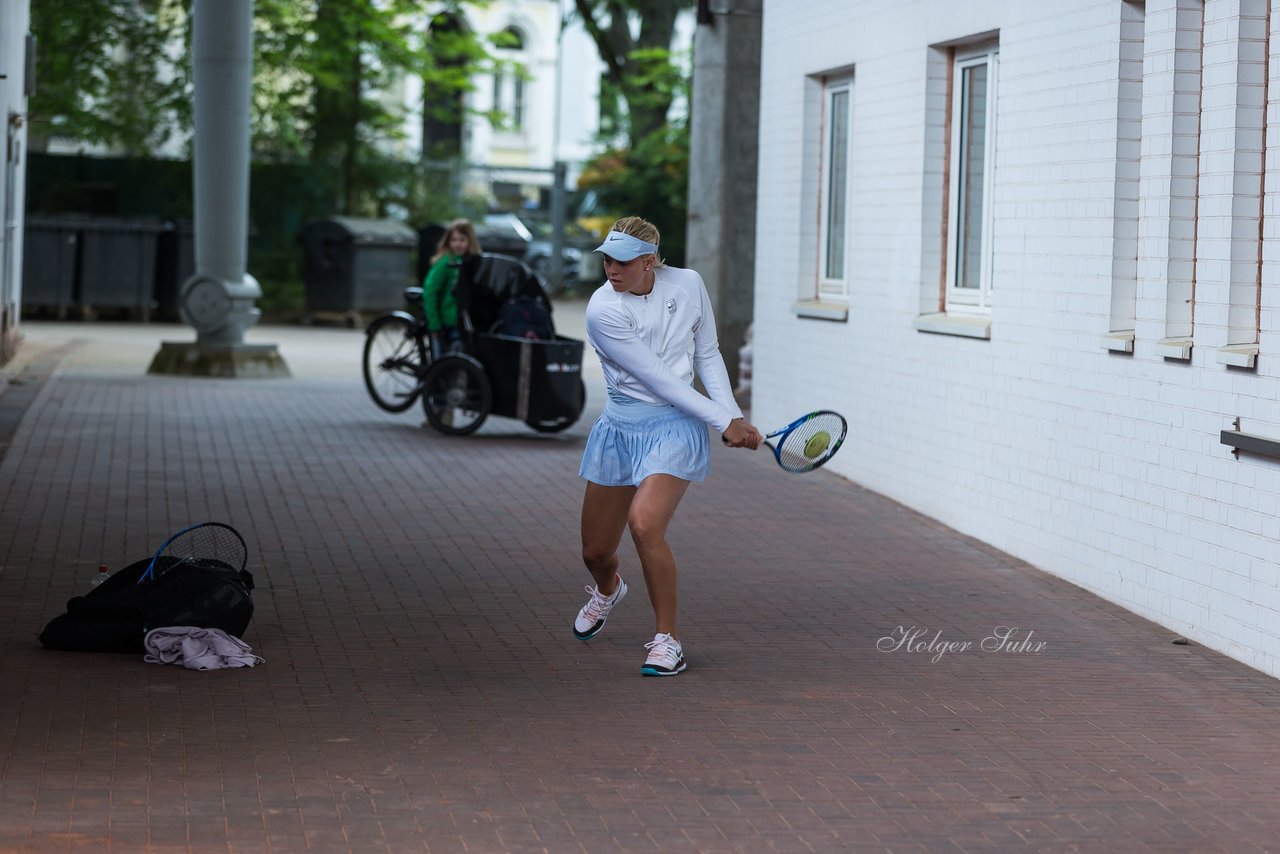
[1103,468]
[14,23]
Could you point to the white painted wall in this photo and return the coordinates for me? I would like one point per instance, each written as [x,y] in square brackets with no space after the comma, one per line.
[1103,468]
[14,21]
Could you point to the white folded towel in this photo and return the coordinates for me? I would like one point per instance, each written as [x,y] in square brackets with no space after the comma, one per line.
[197,649]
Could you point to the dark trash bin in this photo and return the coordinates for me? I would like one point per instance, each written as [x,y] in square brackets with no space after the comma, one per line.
[118,262]
[429,237]
[50,253]
[355,264]
[175,263]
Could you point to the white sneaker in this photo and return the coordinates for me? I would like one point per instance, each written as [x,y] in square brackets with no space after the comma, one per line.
[593,614]
[666,656]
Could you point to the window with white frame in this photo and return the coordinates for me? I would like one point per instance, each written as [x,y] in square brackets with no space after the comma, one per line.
[508,81]
[837,113]
[972,141]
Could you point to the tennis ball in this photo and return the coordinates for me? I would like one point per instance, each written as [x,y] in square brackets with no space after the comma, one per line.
[817,443]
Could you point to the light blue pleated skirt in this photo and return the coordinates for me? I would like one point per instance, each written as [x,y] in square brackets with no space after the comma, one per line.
[632,440]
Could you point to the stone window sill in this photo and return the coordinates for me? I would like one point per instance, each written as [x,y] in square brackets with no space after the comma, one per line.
[834,311]
[963,325]
[1239,355]
[1178,349]
[1118,342]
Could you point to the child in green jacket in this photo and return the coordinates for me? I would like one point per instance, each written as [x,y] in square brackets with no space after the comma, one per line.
[439,304]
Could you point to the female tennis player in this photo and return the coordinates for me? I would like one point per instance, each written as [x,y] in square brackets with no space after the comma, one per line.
[652,327]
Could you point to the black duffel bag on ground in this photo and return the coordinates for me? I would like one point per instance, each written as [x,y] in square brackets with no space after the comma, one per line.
[116,615]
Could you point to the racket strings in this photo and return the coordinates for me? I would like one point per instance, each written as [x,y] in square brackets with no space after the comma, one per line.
[812,443]
[208,543]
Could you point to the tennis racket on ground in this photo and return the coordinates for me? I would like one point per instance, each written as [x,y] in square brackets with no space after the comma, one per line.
[809,441]
[206,542]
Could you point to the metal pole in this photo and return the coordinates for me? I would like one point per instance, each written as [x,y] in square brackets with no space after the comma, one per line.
[555,266]
[222,58]
[219,299]
[555,128]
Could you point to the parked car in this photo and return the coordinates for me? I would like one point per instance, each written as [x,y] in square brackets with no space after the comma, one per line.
[529,239]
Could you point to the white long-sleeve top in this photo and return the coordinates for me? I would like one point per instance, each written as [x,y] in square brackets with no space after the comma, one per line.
[651,345]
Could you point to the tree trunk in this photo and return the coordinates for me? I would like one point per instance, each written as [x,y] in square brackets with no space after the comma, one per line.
[349,156]
[615,45]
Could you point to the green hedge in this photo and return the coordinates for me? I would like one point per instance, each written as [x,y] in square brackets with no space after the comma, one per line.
[282,198]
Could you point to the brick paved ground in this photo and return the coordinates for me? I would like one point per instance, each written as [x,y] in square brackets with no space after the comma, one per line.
[422,689]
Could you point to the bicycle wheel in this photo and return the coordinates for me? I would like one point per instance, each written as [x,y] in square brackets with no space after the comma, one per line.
[456,395]
[392,363]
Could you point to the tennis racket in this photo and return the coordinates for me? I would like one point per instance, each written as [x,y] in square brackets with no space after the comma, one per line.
[809,441]
[206,542]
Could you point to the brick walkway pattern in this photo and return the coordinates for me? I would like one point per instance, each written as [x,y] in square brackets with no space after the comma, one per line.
[423,690]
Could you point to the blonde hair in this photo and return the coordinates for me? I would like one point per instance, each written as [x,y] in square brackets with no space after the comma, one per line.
[467,230]
[643,230]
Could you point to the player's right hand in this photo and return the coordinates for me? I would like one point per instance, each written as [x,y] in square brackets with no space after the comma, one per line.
[742,435]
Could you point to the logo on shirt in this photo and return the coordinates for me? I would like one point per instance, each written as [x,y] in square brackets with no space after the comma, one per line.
[671,306]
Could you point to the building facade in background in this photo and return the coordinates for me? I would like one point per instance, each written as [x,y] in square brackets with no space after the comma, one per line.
[551,112]
[1033,251]
[15,84]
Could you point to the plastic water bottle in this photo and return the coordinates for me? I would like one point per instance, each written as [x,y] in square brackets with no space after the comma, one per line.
[100,576]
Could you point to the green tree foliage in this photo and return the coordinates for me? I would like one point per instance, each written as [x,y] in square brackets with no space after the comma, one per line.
[102,72]
[323,68]
[634,38]
[117,73]
[644,168]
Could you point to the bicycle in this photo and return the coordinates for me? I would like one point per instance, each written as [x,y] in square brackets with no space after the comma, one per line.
[536,380]
[397,355]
